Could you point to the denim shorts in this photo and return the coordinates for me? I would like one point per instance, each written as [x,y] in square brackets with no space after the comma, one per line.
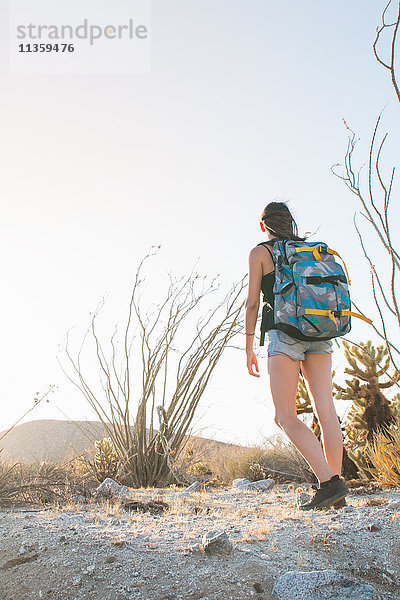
[282,343]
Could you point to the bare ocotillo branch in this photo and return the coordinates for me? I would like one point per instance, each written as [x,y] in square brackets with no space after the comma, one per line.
[375,203]
[390,64]
[163,364]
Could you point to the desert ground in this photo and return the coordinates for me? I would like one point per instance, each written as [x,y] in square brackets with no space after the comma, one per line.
[102,548]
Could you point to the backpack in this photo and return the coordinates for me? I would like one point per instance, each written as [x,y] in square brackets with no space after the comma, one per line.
[311,292]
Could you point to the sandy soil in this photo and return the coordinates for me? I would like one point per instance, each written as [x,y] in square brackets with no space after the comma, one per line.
[101,551]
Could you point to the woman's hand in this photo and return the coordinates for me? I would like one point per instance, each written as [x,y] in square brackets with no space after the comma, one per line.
[252,362]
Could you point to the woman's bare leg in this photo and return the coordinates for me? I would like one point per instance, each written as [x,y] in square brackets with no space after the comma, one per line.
[317,369]
[284,376]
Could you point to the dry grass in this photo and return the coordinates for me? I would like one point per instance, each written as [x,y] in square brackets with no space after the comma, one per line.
[376,501]
[9,482]
[43,483]
[47,483]
[384,453]
[211,462]
[395,516]
[273,458]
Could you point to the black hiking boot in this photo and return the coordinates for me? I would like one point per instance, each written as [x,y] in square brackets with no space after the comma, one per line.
[338,503]
[327,495]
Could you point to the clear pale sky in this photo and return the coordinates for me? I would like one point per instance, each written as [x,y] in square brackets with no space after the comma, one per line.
[243,105]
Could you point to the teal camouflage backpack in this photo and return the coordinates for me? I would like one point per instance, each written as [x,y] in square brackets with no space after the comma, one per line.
[311,292]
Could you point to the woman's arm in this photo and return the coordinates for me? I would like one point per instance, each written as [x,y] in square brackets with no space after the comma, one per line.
[252,306]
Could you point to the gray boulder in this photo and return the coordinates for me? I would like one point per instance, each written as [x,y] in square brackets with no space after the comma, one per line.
[111,489]
[216,543]
[262,484]
[241,482]
[321,585]
[245,484]
[194,486]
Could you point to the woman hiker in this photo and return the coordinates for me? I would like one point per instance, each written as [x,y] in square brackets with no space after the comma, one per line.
[286,356]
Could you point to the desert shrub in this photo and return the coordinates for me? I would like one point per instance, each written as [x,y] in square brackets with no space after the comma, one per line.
[201,470]
[384,453]
[9,482]
[273,458]
[42,483]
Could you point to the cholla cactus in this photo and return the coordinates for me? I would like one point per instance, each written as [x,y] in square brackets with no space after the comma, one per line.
[258,472]
[105,459]
[303,405]
[370,409]
[201,470]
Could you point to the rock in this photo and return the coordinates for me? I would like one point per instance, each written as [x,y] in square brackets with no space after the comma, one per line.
[89,570]
[216,542]
[110,559]
[263,485]
[394,505]
[79,499]
[258,588]
[111,489]
[374,527]
[77,580]
[27,547]
[321,585]
[245,484]
[241,482]
[194,486]
[302,498]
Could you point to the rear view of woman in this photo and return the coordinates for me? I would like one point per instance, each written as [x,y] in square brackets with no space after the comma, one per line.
[286,356]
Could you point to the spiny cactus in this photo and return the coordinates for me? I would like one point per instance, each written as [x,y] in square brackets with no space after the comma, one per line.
[370,408]
[258,472]
[105,460]
[303,405]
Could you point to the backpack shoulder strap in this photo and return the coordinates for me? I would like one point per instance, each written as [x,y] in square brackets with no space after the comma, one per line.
[266,246]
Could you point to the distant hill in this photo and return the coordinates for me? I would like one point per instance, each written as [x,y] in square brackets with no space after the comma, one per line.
[59,440]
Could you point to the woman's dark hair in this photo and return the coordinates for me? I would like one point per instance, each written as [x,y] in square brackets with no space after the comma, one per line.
[279,220]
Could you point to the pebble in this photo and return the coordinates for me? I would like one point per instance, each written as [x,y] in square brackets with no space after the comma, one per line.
[374,527]
[77,580]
